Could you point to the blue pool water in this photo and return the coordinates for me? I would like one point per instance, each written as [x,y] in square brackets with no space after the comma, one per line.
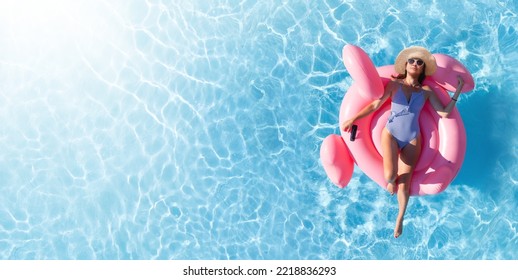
[191,130]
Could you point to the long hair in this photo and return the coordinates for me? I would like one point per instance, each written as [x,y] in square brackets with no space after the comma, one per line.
[420,79]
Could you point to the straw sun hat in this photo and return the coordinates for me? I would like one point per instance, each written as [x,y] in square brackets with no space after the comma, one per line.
[415,52]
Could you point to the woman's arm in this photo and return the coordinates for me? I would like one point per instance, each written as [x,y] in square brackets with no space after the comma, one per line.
[444,111]
[371,107]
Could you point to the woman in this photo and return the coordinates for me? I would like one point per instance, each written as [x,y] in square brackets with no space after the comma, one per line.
[401,139]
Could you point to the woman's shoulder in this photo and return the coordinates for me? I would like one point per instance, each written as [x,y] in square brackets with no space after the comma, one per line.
[395,83]
[427,90]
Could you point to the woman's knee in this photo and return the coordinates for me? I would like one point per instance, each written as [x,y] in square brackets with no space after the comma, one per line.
[390,176]
[404,188]
[390,173]
[404,181]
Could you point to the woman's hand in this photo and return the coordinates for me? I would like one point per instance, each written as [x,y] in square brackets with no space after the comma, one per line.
[460,84]
[346,125]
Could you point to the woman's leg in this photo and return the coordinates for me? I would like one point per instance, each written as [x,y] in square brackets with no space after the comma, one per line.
[407,162]
[390,159]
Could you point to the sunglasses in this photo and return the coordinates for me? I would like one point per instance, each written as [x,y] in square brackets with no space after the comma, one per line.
[419,62]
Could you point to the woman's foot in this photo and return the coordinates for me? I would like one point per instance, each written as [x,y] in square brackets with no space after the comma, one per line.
[391,187]
[398,230]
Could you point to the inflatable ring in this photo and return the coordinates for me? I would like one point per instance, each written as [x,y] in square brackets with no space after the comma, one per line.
[443,139]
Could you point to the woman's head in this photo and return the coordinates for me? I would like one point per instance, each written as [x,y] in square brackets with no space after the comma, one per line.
[416,60]
[421,74]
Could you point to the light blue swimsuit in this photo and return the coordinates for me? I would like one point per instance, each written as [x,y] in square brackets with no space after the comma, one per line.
[403,122]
